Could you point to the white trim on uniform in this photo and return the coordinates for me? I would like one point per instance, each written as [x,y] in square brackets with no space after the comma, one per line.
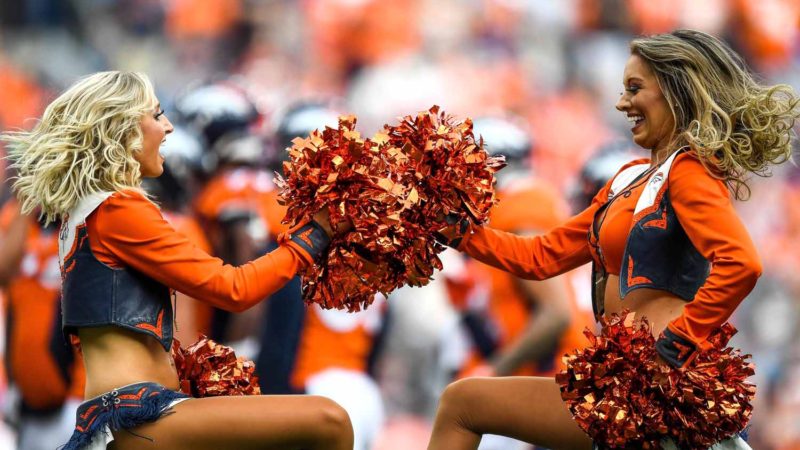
[78,215]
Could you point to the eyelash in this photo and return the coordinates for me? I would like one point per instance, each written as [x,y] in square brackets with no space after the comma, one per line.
[632,89]
[159,114]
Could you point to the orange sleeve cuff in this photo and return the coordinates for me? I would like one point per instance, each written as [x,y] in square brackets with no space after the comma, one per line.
[303,255]
[678,325]
[284,239]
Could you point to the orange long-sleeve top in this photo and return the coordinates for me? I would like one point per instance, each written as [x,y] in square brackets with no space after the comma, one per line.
[704,208]
[188,226]
[128,230]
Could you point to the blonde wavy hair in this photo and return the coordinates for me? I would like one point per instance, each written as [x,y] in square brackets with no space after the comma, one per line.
[84,143]
[735,125]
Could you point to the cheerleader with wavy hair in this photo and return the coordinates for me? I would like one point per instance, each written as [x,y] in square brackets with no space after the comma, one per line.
[83,163]
[663,234]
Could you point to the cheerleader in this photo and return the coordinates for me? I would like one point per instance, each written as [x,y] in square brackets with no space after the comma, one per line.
[664,237]
[83,164]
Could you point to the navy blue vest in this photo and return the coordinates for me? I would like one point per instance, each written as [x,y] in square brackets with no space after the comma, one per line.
[658,253]
[94,294]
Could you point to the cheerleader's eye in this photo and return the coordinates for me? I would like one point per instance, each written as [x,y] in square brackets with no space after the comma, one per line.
[158,114]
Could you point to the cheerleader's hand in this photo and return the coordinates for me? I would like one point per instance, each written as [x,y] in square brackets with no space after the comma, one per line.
[323,218]
[454,232]
[312,238]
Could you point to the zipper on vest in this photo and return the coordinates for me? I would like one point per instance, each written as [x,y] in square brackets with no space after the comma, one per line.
[600,275]
[597,224]
[174,295]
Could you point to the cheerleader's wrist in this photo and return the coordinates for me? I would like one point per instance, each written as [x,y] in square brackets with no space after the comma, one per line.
[676,350]
[310,240]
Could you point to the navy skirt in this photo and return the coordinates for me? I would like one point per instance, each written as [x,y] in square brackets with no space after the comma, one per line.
[122,408]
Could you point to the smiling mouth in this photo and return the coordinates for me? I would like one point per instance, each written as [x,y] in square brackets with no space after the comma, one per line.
[636,120]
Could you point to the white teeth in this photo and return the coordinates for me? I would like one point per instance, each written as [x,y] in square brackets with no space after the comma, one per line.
[634,119]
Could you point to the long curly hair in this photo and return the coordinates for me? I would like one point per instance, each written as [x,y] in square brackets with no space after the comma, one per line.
[84,143]
[735,125]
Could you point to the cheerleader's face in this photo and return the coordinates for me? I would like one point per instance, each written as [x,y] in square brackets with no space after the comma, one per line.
[645,106]
[155,128]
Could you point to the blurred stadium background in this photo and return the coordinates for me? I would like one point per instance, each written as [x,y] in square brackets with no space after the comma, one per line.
[554,64]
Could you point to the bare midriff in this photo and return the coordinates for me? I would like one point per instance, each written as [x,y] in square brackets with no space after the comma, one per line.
[659,307]
[116,357]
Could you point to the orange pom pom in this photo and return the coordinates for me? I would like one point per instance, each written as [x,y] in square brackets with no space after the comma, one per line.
[622,397]
[396,189]
[209,369]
